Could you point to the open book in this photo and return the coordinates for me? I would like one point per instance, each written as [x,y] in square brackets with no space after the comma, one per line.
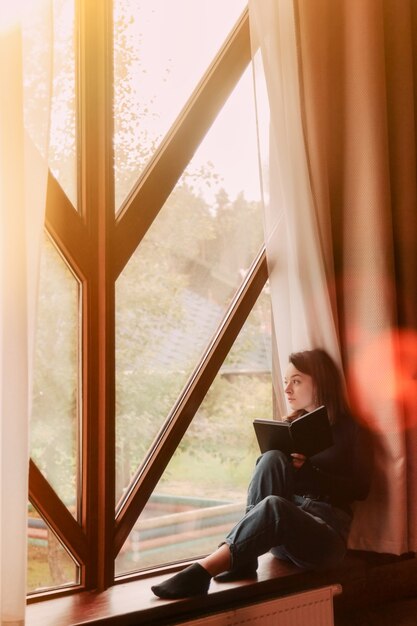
[309,434]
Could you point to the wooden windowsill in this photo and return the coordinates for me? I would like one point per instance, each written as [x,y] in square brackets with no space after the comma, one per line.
[367,579]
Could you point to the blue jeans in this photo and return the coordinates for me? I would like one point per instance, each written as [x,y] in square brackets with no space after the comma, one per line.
[310,533]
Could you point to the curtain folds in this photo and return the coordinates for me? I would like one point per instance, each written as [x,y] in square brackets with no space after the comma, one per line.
[355,77]
[23,175]
[296,259]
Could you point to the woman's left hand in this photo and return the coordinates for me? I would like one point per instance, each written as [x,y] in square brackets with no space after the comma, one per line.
[298,460]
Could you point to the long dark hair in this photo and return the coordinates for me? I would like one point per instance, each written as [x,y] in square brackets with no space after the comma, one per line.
[327,380]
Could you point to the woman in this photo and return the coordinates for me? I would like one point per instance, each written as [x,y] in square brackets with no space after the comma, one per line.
[298,508]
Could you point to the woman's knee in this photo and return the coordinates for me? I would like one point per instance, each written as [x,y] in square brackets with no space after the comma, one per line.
[275,503]
[273,474]
[272,458]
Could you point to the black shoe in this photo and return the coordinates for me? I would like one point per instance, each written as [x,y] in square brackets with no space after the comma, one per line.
[240,573]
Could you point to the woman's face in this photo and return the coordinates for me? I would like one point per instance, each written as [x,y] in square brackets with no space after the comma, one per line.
[299,389]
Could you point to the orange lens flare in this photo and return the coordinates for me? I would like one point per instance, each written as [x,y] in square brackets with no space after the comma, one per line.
[382,381]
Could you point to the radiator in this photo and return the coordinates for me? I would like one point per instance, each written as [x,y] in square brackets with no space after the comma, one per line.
[308,608]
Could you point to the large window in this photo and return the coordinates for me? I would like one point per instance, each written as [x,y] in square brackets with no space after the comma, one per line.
[153,341]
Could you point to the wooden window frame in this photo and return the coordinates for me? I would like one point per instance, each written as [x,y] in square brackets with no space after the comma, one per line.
[97,244]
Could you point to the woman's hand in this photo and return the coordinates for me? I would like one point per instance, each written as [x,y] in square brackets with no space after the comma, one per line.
[298,460]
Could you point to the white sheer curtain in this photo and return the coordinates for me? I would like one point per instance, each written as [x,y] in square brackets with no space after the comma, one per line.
[24,114]
[296,260]
[340,194]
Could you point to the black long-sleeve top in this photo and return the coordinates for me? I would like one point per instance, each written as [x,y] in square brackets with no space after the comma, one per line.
[342,472]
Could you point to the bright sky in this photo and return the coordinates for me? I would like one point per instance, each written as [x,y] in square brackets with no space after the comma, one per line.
[170,44]
[175,43]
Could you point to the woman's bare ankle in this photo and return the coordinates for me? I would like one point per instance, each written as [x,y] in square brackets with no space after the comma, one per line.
[218,561]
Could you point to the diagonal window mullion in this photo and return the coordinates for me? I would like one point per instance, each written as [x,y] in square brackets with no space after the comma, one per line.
[178,147]
[67,228]
[56,514]
[190,399]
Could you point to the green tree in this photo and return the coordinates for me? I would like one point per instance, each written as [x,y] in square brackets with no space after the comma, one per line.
[54,419]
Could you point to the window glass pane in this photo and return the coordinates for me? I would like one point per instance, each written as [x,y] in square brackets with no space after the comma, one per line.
[49,563]
[203,490]
[54,419]
[175,289]
[62,146]
[161,50]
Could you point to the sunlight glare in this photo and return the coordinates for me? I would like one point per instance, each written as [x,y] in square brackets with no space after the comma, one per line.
[12,13]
